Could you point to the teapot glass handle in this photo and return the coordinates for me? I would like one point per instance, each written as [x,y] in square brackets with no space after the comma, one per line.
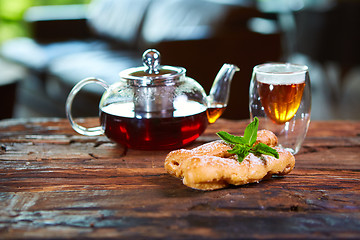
[93,131]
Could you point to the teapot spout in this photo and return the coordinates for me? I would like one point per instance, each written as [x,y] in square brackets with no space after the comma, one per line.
[220,92]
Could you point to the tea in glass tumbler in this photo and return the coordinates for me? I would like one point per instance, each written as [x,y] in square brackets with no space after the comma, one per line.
[280,96]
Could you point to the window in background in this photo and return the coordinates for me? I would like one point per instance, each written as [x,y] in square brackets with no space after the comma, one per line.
[11,15]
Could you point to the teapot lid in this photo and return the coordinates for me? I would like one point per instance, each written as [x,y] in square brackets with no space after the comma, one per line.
[152,73]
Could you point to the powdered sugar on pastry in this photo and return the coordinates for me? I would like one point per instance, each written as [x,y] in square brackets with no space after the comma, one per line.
[210,166]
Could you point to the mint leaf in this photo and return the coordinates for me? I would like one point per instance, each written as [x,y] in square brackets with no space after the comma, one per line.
[229,138]
[262,148]
[250,133]
[242,152]
[235,149]
[242,146]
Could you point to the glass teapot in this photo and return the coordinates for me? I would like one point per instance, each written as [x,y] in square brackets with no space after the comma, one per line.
[156,107]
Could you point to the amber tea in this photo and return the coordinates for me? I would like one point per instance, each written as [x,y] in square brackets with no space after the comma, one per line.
[280,101]
[214,112]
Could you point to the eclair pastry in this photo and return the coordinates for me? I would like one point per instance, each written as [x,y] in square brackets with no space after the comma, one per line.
[210,166]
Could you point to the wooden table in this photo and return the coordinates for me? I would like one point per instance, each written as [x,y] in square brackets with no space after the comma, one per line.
[57,184]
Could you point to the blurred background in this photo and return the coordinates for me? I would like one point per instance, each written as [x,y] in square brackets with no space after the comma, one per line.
[46,47]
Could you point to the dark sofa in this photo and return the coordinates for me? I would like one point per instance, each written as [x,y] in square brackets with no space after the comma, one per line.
[70,43]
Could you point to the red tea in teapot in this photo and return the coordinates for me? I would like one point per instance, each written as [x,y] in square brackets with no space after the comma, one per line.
[123,125]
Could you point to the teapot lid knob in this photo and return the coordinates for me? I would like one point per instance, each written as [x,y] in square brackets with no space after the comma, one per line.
[151,60]
[152,72]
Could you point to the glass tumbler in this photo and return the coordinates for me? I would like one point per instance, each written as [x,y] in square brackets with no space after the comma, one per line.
[280,96]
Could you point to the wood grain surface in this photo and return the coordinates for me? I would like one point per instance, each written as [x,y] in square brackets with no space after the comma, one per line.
[55,183]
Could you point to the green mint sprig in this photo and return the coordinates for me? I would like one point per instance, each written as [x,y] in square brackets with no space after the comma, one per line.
[242,146]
